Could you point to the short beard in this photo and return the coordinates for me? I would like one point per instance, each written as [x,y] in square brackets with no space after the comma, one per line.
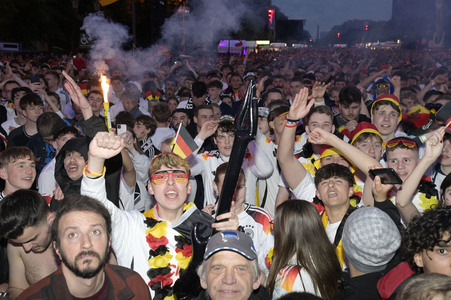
[88,272]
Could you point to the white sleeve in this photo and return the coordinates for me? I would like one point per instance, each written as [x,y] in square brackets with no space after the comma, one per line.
[196,164]
[122,222]
[260,163]
[306,189]
[141,163]
[126,195]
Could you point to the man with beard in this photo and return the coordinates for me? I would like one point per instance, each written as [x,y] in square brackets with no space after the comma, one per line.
[81,233]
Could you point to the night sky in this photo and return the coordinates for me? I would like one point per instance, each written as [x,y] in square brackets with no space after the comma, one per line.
[328,13]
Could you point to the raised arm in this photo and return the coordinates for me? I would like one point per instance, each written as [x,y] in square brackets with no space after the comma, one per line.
[91,124]
[396,82]
[361,160]
[292,169]
[128,169]
[194,160]
[318,91]
[77,96]
[366,82]
[103,146]
[434,147]
[51,104]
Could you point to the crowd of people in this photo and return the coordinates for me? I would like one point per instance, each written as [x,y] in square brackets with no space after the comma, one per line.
[344,193]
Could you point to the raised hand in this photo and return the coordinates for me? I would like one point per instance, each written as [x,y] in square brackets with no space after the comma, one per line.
[231,222]
[75,92]
[380,190]
[128,140]
[434,145]
[301,106]
[396,81]
[319,136]
[319,89]
[8,72]
[261,86]
[208,129]
[351,125]
[105,145]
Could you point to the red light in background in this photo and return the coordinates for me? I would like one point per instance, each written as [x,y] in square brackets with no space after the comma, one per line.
[271,17]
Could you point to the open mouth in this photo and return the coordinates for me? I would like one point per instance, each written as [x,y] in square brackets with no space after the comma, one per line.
[171,194]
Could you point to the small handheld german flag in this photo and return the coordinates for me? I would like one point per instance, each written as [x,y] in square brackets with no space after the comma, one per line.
[183,144]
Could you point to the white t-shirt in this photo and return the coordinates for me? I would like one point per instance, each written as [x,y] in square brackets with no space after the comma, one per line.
[10,123]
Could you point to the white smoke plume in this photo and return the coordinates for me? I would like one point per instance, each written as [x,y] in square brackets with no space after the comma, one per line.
[108,38]
[210,21]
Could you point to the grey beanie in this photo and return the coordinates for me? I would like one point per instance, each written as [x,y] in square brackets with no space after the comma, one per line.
[370,239]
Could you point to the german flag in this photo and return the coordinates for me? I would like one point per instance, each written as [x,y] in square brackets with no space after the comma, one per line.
[183,144]
[106,2]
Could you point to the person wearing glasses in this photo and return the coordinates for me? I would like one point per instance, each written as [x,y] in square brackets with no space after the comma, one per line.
[157,243]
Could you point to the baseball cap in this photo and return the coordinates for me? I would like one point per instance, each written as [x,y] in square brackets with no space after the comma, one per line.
[232,240]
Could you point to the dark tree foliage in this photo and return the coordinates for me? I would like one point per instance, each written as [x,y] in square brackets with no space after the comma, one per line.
[39,24]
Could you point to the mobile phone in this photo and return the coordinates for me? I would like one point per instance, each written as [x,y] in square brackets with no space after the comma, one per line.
[444,113]
[387,176]
[35,78]
[121,128]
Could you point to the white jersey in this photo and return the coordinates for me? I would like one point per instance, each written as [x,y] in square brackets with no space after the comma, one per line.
[292,278]
[256,222]
[255,163]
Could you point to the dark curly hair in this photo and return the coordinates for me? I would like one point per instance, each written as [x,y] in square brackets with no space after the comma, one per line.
[426,232]
[225,125]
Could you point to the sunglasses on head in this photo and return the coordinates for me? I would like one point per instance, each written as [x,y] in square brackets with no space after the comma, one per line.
[407,143]
[178,176]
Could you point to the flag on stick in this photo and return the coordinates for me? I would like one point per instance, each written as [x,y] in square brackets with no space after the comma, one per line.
[183,144]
